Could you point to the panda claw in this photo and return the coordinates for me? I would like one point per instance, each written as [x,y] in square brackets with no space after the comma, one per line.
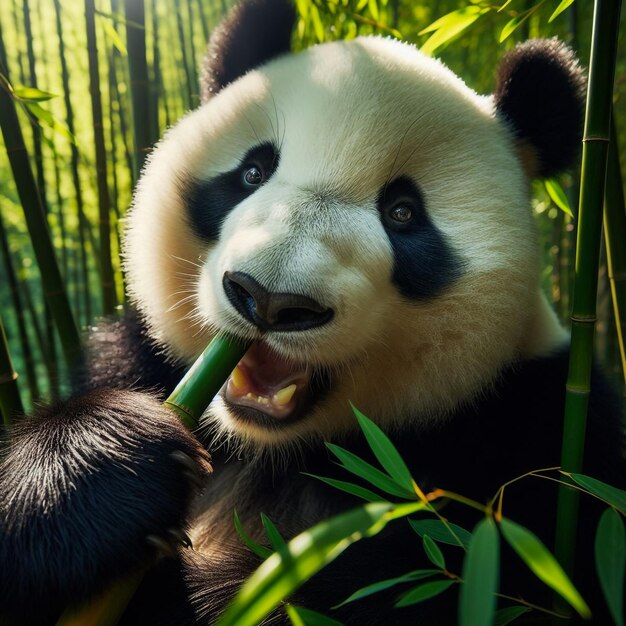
[180,537]
[184,459]
[164,547]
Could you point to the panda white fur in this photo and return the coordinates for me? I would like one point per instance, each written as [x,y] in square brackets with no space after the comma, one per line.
[363,216]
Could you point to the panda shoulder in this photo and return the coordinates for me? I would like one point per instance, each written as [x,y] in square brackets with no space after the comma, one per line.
[121,354]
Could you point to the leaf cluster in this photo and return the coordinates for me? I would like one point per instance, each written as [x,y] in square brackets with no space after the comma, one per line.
[290,564]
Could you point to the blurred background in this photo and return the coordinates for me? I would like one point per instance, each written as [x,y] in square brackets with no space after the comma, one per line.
[96,82]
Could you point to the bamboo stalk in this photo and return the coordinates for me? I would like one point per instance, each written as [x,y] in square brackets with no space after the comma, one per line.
[593,173]
[30,199]
[82,222]
[107,279]
[29,361]
[183,47]
[614,238]
[10,401]
[189,400]
[139,83]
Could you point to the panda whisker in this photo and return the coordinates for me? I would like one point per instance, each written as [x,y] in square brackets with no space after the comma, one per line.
[395,160]
[180,258]
[253,128]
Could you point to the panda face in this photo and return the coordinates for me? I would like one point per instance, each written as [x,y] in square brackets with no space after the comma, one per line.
[360,214]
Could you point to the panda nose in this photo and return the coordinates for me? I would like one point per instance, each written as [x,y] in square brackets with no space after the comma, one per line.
[273,311]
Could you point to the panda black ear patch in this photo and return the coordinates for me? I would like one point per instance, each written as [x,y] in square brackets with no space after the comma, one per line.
[540,92]
[253,32]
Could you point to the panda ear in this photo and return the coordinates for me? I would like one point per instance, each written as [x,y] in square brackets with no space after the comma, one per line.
[253,32]
[540,92]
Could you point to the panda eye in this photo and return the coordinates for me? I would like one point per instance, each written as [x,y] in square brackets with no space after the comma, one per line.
[401,214]
[252,176]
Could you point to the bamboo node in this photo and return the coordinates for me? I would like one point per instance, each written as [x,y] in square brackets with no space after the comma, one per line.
[578,389]
[8,378]
[583,320]
[596,138]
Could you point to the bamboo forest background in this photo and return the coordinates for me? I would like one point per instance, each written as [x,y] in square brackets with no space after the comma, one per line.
[74,67]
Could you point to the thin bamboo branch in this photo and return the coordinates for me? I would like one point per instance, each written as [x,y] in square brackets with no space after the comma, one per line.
[614,238]
[30,199]
[593,174]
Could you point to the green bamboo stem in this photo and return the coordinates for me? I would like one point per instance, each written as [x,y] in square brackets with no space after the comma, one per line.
[614,238]
[16,297]
[54,289]
[183,47]
[593,173]
[82,222]
[139,83]
[10,401]
[107,279]
[205,378]
[189,400]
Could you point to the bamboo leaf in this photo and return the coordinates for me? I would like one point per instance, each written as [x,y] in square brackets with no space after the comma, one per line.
[423,592]
[512,25]
[442,532]
[381,585]
[507,615]
[373,9]
[614,496]
[385,451]
[113,35]
[318,27]
[450,26]
[505,5]
[300,616]
[610,552]
[47,119]
[351,488]
[283,572]
[257,548]
[562,6]
[434,554]
[362,468]
[481,575]
[35,95]
[542,563]
[276,539]
[557,195]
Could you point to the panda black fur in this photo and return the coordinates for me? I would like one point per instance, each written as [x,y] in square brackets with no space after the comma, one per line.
[362,211]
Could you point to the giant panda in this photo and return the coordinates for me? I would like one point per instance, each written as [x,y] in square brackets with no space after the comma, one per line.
[364,218]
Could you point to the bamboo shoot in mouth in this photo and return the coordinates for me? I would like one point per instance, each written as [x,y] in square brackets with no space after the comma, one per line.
[205,378]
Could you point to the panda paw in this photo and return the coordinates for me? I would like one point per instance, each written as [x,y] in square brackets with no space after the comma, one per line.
[89,491]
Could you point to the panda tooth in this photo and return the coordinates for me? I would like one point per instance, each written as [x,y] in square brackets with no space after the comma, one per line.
[238,379]
[284,396]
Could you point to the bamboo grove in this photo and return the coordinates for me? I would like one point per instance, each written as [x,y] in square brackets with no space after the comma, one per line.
[94,83]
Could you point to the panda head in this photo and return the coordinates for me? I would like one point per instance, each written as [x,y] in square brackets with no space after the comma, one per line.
[361,214]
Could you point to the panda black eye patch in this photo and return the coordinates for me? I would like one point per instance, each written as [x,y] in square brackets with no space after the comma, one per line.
[208,202]
[424,264]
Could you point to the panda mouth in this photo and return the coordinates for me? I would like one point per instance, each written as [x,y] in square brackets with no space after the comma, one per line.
[265,383]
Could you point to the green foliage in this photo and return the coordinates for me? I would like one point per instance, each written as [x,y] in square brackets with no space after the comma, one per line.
[479,581]
[382,585]
[481,570]
[542,563]
[424,592]
[300,616]
[442,532]
[611,495]
[610,551]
